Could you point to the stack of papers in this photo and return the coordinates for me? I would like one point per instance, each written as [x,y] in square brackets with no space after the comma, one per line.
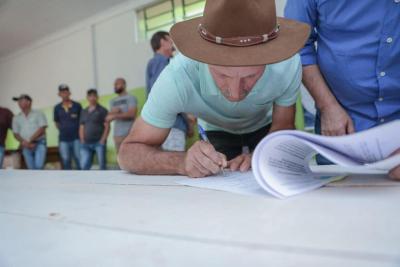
[281,162]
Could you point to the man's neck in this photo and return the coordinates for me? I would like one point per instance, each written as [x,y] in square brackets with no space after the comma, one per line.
[122,93]
[66,102]
[26,111]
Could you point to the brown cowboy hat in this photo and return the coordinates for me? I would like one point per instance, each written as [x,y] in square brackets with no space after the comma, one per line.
[239,33]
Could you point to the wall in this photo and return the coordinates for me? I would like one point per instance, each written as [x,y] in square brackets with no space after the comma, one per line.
[118,52]
[91,53]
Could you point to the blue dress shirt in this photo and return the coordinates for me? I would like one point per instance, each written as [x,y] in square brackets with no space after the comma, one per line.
[154,68]
[356,45]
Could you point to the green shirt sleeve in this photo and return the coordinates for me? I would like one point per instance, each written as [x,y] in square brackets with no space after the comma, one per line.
[167,96]
[294,73]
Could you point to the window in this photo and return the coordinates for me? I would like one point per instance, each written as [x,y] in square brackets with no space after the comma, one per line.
[163,14]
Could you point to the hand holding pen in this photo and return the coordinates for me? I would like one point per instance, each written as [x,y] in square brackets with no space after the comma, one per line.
[203,160]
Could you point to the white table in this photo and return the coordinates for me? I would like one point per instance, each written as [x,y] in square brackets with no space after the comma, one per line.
[110,218]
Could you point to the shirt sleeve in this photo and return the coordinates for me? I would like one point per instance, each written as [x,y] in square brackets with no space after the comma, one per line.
[167,97]
[132,102]
[105,113]
[55,114]
[42,120]
[307,12]
[79,109]
[155,72]
[290,94]
[82,118]
[9,120]
[15,125]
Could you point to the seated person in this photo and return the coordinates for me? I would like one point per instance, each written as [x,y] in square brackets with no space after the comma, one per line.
[93,132]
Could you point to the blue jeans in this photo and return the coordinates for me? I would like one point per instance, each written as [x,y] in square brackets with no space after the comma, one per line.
[87,152]
[320,159]
[36,157]
[1,156]
[69,151]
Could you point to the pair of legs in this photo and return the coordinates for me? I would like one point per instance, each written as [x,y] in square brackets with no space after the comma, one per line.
[36,157]
[68,151]
[233,145]
[176,141]
[87,152]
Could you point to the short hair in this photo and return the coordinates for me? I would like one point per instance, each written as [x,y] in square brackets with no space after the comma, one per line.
[121,79]
[156,39]
[91,92]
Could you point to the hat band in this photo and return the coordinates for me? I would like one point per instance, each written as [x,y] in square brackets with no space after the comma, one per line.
[238,41]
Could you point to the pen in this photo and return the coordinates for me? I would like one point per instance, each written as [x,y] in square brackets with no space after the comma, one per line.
[203,135]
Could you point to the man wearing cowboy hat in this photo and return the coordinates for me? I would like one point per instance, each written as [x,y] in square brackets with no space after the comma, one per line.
[239,74]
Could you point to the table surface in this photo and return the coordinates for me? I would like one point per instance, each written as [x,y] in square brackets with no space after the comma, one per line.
[111,218]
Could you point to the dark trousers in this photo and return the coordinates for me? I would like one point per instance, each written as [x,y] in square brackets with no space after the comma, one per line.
[232,144]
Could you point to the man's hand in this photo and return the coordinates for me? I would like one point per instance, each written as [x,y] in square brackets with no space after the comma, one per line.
[28,145]
[25,144]
[203,160]
[115,110]
[110,118]
[395,173]
[335,121]
[240,163]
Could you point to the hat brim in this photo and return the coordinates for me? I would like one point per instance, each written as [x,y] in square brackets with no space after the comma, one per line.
[292,37]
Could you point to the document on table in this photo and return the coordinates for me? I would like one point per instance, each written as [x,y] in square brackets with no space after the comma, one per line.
[281,162]
[235,182]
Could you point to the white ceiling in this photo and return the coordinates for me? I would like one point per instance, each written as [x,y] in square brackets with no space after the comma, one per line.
[25,21]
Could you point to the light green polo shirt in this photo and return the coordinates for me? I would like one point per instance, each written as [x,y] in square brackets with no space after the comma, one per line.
[187,86]
[26,126]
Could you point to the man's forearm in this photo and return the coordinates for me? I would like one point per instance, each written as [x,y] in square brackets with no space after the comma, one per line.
[316,85]
[19,138]
[105,132]
[82,134]
[145,159]
[125,115]
[39,133]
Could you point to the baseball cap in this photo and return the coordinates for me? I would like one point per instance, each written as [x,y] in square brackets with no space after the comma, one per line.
[63,87]
[22,96]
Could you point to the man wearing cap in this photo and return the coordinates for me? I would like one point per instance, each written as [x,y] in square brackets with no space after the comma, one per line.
[93,132]
[66,118]
[239,74]
[6,117]
[29,129]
